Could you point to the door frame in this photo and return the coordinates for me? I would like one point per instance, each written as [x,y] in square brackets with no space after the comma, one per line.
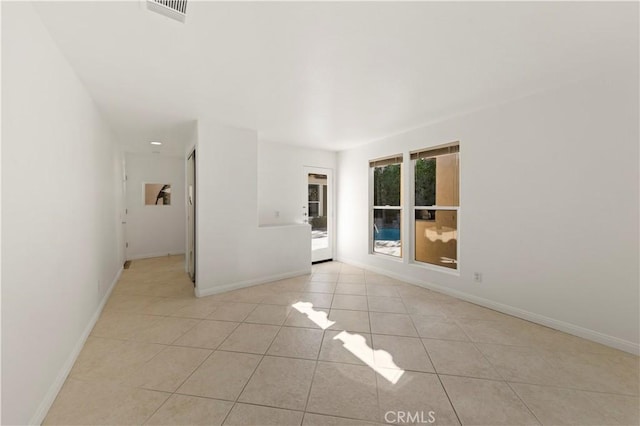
[331,230]
[124,212]
[191,235]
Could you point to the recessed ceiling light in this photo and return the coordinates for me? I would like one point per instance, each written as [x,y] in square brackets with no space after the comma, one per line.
[156,143]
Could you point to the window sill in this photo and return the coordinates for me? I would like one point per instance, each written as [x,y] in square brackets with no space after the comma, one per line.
[387,257]
[435,268]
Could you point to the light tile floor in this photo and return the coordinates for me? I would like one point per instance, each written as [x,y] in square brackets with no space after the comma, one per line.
[340,346]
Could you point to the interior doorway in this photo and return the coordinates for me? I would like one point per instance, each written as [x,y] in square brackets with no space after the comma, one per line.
[318,211]
[124,211]
[191,216]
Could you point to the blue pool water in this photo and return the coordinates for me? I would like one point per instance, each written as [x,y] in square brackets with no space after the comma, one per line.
[386,234]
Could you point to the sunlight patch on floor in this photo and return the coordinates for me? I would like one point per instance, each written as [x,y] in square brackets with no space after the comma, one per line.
[318,317]
[355,343]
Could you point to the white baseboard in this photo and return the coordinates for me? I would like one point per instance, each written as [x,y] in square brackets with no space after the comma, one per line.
[52,393]
[249,283]
[595,336]
[151,255]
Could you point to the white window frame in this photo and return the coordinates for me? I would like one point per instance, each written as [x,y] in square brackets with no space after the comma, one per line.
[399,208]
[414,208]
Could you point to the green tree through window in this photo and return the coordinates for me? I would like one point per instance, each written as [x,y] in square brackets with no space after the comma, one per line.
[386,191]
[425,182]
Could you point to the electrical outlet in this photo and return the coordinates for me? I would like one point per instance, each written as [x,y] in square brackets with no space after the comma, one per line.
[477,277]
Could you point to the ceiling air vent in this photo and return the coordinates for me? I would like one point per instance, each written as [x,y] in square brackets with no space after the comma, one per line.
[174,9]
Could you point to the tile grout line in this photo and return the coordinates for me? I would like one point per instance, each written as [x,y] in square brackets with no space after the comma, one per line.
[236,402]
[453,407]
[423,346]
[157,409]
[213,351]
[495,368]
[437,375]
[313,376]
[379,413]
[523,402]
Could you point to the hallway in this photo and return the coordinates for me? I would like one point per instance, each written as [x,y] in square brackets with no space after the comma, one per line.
[341,346]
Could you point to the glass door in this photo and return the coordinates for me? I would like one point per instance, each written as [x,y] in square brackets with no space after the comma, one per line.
[318,212]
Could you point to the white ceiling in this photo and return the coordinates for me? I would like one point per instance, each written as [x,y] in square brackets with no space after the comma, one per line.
[327,75]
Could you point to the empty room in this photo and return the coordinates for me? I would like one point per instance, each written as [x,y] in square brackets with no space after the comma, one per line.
[320,213]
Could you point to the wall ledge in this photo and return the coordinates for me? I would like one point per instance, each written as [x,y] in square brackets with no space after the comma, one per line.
[575,330]
[249,283]
[283,225]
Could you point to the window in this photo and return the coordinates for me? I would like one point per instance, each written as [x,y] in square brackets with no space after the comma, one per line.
[386,210]
[318,208]
[436,204]
[314,200]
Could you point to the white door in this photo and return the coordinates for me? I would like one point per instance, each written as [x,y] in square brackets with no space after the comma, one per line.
[318,211]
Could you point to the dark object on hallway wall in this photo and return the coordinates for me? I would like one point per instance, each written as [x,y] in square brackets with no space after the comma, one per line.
[158,194]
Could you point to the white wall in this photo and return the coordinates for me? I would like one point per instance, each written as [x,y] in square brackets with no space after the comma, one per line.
[281,181]
[62,199]
[155,230]
[232,251]
[549,207]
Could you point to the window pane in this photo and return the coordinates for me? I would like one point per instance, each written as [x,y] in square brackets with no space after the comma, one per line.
[386,185]
[313,193]
[324,200]
[425,182]
[437,237]
[447,186]
[437,181]
[313,209]
[387,237]
[317,202]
